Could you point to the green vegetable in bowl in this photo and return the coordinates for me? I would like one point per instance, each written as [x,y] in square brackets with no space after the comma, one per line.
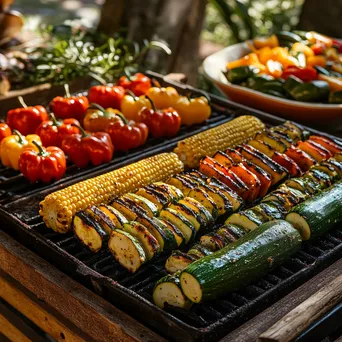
[239,74]
[311,92]
[291,83]
[335,97]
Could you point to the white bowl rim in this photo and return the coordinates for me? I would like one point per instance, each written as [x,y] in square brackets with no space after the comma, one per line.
[295,103]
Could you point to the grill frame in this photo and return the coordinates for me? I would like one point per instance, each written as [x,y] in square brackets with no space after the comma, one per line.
[128,300]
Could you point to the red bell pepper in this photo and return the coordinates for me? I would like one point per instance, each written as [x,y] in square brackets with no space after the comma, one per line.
[318,48]
[5,130]
[161,123]
[26,119]
[83,148]
[47,164]
[126,135]
[337,45]
[106,96]
[305,74]
[138,83]
[53,132]
[69,106]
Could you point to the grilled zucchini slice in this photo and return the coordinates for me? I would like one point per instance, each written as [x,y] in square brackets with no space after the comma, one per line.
[248,220]
[180,221]
[106,223]
[319,177]
[183,184]
[150,208]
[328,169]
[146,239]
[179,237]
[88,231]
[178,261]
[158,198]
[262,146]
[213,241]
[201,209]
[168,291]
[270,210]
[231,196]
[199,251]
[205,199]
[336,165]
[125,209]
[283,197]
[114,215]
[160,231]
[272,140]
[301,184]
[126,250]
[173,192]
[193,216]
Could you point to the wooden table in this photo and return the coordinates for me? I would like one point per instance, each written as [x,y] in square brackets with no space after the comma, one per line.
[66,310]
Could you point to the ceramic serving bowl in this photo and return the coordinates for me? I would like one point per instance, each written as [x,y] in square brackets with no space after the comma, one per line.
[317,113]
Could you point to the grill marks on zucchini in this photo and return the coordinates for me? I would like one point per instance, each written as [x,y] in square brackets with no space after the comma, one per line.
[126,250]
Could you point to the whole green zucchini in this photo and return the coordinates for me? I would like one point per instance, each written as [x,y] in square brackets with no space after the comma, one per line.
[318,214]
[239,263]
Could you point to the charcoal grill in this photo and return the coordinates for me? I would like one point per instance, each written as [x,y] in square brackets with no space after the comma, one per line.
[133,293]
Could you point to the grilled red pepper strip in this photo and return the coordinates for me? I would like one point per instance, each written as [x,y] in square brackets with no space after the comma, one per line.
[161,123]
[47,164]
[83,148]
[106,96]
[69,106]
[5,131]
[126,135]
[53,132]
[305,74]
[138,83]
[26,119]
[337,45]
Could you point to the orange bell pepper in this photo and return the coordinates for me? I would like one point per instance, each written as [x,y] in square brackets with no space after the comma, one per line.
[264,54]
[261,42]
[316,60]
[250,59]
[315,37]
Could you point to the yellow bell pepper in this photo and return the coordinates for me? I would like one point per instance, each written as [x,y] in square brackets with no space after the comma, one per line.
[274,68]
[335,83]
[193,110]
[12,146]
[163,97]
[300,47]
[261,42]
[313,37]
[131,106]
[318,60]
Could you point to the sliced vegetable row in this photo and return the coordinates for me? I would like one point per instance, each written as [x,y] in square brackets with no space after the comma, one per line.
[274,206]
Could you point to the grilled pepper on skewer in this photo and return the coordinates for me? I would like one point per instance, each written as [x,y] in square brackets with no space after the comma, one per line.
[97,119]
[131,105]
[13,145]
[53,132]
[126,135]
[161,123]
[5,131]
[26,119]
[106,96]
[83,148]
[46,164]
[69,106]
[139,84]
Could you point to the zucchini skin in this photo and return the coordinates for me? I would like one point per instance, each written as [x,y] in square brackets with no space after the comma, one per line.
[238,264]
[320,212]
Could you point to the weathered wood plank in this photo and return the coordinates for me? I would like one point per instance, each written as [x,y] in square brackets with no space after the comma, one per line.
[15,295]
[298,319]
[89,312]
[251,330]
[10,331]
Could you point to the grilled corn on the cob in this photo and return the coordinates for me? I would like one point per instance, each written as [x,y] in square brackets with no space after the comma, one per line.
[234,132]
[58,208]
